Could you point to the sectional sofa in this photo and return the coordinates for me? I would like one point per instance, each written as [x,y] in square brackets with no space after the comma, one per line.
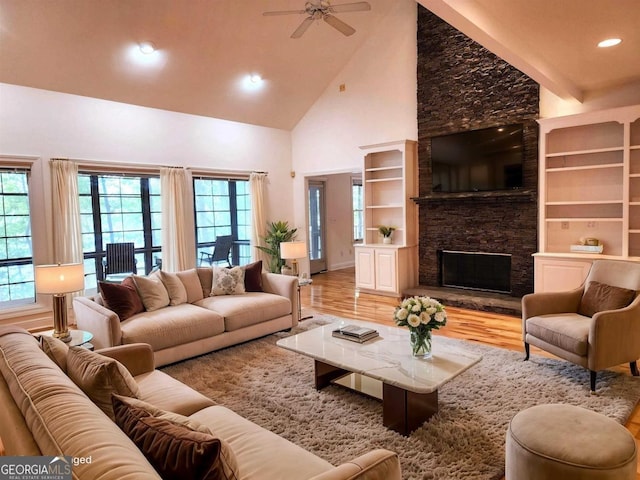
[53,403]
[190,313]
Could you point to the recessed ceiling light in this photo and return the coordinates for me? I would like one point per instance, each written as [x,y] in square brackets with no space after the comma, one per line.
[147,48]
[255,78]
[609,42]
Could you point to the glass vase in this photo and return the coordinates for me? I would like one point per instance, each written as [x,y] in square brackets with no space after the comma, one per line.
[420,344]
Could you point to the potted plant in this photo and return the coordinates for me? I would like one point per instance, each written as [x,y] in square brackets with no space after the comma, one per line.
[277,232]
[386,233]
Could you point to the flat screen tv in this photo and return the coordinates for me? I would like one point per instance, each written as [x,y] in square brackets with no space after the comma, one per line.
[478,160]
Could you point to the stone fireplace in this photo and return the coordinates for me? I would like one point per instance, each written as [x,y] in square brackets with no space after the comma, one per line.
[462,86]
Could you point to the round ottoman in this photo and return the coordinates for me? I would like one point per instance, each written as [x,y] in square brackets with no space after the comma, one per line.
[563,442]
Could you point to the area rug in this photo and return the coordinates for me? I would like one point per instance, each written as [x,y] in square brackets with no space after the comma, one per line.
[274,388]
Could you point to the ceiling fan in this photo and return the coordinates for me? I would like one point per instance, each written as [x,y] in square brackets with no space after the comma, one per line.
[324,10]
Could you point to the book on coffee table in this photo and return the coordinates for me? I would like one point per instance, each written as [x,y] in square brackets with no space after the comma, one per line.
[355,333]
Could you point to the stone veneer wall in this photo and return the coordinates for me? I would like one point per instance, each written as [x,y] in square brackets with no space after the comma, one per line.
[463,86]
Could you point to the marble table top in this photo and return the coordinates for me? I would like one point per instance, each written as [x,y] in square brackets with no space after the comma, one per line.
[386,358]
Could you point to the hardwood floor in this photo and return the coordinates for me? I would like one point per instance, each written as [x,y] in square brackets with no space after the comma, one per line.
[334,293]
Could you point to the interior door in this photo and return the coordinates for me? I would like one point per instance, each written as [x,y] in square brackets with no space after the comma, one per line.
[317,248]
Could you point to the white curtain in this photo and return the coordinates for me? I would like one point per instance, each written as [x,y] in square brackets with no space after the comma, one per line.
[67,234]
[257,185]
[177,252]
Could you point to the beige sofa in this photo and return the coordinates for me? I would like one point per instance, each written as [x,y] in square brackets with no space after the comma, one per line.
[44,413]
[203,324]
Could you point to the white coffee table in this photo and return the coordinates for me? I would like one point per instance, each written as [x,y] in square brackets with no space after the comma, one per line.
[384,368]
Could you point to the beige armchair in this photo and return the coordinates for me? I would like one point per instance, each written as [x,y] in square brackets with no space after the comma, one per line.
[596,326]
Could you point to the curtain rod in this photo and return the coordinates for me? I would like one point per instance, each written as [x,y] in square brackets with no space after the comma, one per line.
[108,166]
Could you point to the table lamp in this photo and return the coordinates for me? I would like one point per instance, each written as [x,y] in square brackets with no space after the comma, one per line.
[58,280]
[292,251]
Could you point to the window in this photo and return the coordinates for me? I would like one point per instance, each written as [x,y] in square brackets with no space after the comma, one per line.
[116,209]
[16,263]
[358,220]
[222,207]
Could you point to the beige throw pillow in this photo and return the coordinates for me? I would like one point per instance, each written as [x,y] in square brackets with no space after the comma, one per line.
[227,281]
[175,288]
[100,377]
[56,350]
[192,285]
[152,292]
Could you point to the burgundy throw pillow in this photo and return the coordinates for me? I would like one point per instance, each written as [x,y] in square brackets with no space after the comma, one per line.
[600,296]
[253,277]
[175,451]
[122,298]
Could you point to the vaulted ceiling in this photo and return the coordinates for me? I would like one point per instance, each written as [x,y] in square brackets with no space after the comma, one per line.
[206,49]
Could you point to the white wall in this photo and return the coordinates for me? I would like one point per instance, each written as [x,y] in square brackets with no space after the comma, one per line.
[378,105]
[553,106]
[48,124]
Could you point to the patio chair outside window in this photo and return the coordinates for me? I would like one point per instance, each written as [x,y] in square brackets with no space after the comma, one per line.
[120,259]
[221,251]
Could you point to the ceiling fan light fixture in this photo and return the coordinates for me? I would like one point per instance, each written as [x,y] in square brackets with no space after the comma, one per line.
[147,47]
[610,42]
[324,10]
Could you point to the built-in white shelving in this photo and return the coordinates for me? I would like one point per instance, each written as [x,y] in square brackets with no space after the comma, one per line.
[589,188]
[390,181]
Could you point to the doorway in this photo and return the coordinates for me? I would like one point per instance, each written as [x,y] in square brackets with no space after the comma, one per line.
[317,234]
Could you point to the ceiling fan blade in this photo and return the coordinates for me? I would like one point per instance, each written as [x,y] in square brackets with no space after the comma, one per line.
[350,7]
[306,23]
[283,12]
[339,25]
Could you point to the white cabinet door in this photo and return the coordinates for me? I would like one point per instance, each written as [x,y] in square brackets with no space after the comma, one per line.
[560,274]
[386,269]
[365,268]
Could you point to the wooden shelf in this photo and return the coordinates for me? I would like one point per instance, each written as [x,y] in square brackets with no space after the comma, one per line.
[584,152]
[585,167]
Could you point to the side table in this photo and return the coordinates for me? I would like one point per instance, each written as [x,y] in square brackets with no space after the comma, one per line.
[302,282]
[78,338]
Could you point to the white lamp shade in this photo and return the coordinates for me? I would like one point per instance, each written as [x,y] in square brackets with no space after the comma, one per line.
[293,250]
[65,278]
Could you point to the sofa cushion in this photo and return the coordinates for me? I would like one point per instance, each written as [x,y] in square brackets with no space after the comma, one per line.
[175,287]
[241,311]
[167,393]
[175,451]
[248,442]
[600,297]
[122,298]
[152,291]
[568,331]
[168,327]
[100,377]
[228,460]
[253,277]
[56,350]
[192,285]
[227,281]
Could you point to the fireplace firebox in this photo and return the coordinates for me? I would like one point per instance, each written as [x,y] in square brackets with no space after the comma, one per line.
[489,272]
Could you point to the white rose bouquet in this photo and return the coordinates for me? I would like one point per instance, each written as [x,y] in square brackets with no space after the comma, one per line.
[421,315]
